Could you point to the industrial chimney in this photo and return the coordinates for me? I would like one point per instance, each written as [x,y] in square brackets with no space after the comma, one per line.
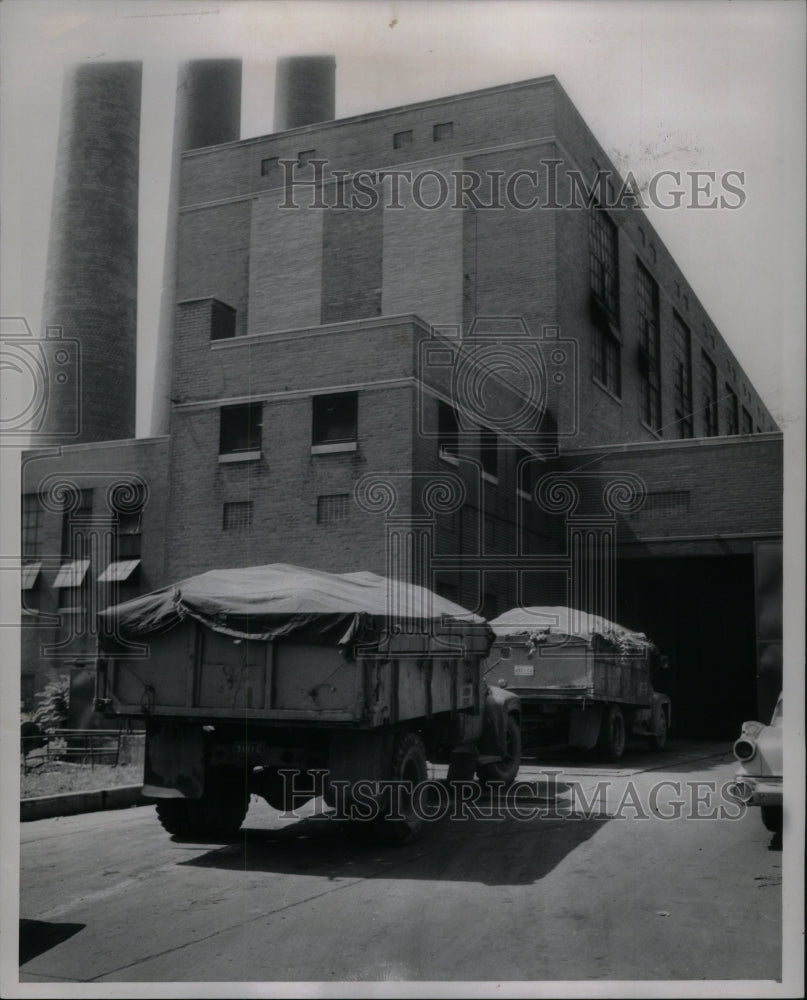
[208,112]
[305,89]
[91,275]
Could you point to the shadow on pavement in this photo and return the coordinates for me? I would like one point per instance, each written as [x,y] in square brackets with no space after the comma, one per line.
[38,936]
[486,851]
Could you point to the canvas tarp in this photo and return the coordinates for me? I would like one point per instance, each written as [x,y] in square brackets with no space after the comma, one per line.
[563,621]
[284,601]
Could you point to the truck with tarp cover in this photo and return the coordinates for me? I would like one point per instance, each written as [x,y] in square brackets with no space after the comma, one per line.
[290,683]
[581,679]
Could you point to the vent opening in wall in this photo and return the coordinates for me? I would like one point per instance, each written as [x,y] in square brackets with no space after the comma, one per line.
[333,508]
[237,515]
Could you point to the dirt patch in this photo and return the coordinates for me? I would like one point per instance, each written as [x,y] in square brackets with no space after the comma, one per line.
[58,777]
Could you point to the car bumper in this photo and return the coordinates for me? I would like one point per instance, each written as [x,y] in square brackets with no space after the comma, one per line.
[757,791]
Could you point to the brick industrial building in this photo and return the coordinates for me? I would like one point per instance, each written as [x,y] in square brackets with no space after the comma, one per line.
[396,338]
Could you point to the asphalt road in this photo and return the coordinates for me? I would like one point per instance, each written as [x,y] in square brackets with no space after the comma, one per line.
[564,886]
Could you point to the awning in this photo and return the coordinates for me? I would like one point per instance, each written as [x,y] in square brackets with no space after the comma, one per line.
[30,572]
[119,571]
[72,574]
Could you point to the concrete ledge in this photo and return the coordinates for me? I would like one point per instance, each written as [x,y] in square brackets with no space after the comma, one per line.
[71,803]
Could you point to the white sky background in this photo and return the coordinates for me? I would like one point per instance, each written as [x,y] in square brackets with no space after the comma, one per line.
[702,85]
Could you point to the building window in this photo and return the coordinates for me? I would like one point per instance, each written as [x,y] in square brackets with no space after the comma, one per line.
[445,130]
[604,260]
[335,420]
[222,321]
[401,139]
[305,157]
[708,395]
[731,415]
[129,535]
[269,166]
[236,515]
[525,472]
[448,431]
[30,526]
[75,537]
[647,309]
[333,508]
[606,359]
[71,582]
[748,423]
[240,431]
[489,454]
[682,377]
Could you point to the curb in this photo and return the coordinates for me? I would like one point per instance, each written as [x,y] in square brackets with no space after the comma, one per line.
[71,803]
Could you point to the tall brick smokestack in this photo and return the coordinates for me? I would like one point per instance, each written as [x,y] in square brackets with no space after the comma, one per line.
[208,112]
[91,275]
[305,91]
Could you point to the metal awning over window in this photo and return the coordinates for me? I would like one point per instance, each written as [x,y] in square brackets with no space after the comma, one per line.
[119,571]
[72,574]
[30,574]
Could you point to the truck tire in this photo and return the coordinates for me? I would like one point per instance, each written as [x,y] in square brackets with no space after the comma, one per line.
[659,738]
[772,818]
[506,769]
[611,743]
[174,817]
[408,763]
[218,813]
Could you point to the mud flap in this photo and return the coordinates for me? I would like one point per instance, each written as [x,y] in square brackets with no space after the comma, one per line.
[584,727]
[175,765]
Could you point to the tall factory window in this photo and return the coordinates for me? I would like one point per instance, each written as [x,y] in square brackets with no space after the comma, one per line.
[445,130]
[401,139]
[604,261]
[682,376]
[748,423]
[30,526]
[708,395]
[731,418]
[647,310]
[222,321]
[335,421]
[240,430]
[236,515]
[448,432]
[606,359]
[75,540]
[489,454]
[333,508]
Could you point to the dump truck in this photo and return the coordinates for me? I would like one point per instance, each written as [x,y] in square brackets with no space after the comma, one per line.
[581,679]
[291,683]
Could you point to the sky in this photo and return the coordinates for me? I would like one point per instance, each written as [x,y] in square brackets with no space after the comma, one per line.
[676,85]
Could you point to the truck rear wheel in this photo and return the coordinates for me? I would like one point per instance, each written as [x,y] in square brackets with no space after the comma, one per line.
[506,769]
[408,765]
[174,816]
[659,738]
[611,743]
[772,818]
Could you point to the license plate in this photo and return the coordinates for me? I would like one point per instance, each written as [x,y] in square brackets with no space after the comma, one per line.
[248,749]
[524,670]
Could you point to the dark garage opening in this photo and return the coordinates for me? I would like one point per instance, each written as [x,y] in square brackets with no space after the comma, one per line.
[700,612]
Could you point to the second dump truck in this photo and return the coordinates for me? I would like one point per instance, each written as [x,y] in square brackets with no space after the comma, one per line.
[581,679]
[289,683]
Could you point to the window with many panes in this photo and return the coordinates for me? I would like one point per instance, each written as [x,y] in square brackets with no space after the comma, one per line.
[731,411]
[647,315]
[604,260]
[240,429]
[75,522]
[489,453]
[333,508]
[335,419]
[708,395]
[748,423]
[682,377]
[30,526]
[447,429]
[236,515]
[606,359]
